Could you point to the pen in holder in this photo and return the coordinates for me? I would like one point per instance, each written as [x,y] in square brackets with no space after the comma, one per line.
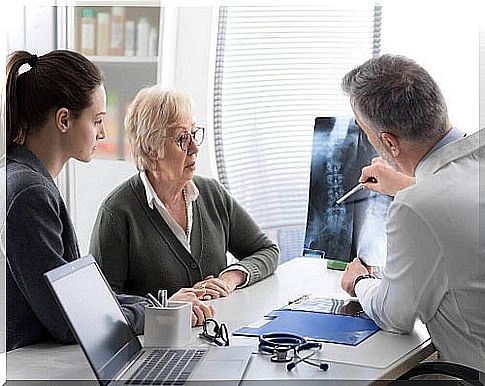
[168,326]
[163,297]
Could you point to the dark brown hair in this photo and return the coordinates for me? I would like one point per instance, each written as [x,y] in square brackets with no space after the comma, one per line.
[57,79]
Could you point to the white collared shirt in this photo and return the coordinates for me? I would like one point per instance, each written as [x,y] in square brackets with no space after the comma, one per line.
[453,135]
[152,199]
[435,256]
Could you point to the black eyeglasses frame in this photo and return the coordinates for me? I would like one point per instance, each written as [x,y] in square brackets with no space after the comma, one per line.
[192,138]
[220,335]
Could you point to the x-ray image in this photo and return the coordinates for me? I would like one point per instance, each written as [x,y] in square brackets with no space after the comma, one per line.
[356,227]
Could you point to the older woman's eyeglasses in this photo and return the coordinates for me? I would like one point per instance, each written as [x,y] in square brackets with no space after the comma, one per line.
[216,333]
[185,139]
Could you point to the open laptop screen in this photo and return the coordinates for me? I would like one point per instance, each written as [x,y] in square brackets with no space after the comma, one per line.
[94,316]
[357,227]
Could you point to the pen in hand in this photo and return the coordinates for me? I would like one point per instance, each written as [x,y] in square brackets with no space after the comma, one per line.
[354,190]
[299,300]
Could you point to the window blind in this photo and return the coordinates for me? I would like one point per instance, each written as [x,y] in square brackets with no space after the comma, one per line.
[277,68]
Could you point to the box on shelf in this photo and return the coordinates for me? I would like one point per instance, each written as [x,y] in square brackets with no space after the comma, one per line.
[103,34]
[88,32]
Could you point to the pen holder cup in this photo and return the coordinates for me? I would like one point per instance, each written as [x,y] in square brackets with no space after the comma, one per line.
[169,326]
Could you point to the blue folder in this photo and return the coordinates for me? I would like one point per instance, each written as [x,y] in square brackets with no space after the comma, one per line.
[325,327]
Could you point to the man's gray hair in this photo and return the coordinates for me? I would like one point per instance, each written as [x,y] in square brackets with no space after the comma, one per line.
[394,94]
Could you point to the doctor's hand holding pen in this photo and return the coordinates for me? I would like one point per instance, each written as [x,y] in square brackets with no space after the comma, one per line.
[382,178]
[200,310]
[354,270]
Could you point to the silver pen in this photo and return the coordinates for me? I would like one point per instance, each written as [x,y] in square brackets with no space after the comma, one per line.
[302,298]
[162,298]
[354,190]
[153,300]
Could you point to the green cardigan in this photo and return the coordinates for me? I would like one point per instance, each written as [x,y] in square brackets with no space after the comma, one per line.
[138,252]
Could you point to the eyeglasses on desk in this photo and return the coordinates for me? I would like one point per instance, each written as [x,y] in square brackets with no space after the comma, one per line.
[215,332]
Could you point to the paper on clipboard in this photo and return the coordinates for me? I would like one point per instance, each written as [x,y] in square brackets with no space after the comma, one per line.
[349,307]
[320,319]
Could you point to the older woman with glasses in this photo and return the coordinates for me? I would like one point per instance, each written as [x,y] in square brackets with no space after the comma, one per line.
[166,228]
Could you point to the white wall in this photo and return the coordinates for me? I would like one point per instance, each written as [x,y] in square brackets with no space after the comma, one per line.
[14,26]
[96,180]
[30,28]
[442,36]
[194,67]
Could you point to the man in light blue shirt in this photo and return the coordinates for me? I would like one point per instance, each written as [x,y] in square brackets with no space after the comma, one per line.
[435,267]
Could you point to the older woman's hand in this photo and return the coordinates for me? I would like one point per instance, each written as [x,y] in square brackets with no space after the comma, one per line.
[200,310]
[389,181]
[216,286]
[233,278]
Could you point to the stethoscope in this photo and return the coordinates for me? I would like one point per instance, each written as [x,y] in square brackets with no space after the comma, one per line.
[279,345]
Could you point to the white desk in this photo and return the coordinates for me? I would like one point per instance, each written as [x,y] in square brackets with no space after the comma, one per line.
[382,356]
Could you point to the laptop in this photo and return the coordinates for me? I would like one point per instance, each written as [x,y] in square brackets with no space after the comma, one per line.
[112,349]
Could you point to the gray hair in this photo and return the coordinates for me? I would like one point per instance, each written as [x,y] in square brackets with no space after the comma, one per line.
[150,115]
[394,94]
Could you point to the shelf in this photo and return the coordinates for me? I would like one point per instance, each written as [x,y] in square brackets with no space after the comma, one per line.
[124,59]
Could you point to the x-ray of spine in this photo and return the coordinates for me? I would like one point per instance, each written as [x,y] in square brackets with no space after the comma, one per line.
[357,227]
[370,215]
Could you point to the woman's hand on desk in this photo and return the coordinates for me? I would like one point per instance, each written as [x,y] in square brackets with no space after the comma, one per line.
[214,287]
[233,278]
[223,285]
[200,310]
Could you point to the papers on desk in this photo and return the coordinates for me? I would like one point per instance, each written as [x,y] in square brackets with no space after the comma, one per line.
[320,319]
[349,307]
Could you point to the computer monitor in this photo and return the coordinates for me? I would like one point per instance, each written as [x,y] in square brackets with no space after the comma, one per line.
[356,227]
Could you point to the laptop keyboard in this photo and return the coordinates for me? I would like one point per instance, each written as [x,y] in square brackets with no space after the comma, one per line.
[167,367]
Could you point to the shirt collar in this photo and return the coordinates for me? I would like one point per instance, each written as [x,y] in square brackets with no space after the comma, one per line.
[453,135]
[192,191]
[151,195]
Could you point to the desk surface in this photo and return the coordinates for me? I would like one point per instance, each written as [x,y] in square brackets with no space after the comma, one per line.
[382,356]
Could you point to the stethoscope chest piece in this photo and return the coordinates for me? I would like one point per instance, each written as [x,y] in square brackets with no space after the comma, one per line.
[280,354]
[279,346]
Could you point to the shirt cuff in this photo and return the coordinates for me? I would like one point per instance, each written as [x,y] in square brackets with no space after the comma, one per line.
[236,267]
[364,285]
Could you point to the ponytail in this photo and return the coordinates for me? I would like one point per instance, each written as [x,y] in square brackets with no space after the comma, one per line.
[57,79]
[14,130]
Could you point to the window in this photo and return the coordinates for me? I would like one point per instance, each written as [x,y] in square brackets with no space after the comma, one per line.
[277,68]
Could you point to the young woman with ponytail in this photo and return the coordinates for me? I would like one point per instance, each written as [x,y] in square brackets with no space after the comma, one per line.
[55,111]
[55,106]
